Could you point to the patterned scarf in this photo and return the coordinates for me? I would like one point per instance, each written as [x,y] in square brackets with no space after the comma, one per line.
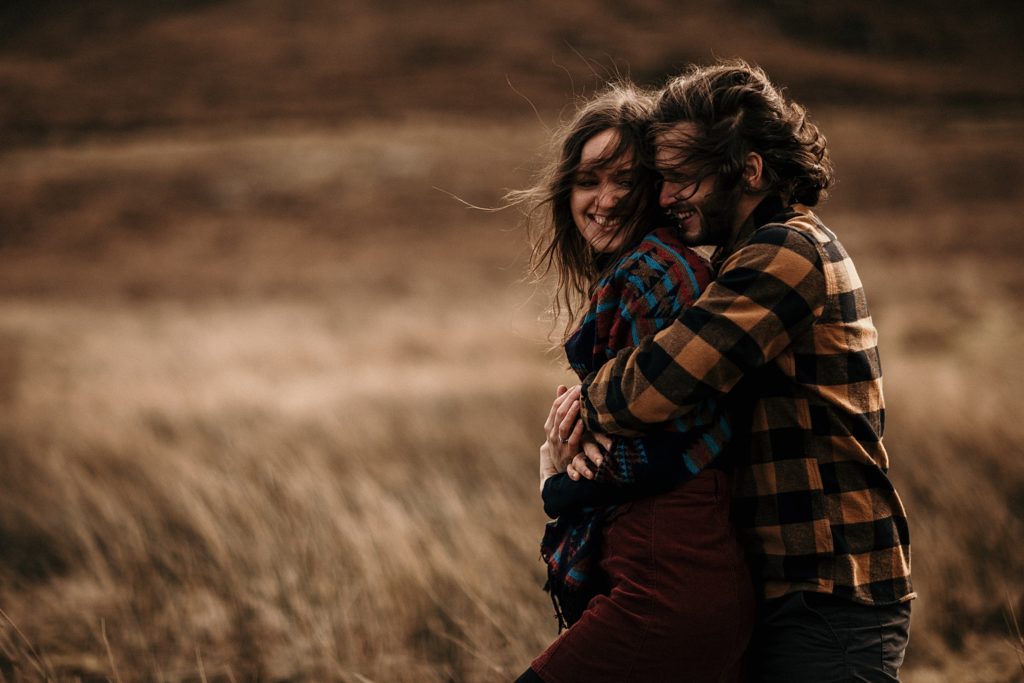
[644,293]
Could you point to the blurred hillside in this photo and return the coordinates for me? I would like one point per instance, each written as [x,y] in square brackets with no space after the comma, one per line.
[71,69]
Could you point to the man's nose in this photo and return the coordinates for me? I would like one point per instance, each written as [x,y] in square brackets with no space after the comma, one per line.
[669,194]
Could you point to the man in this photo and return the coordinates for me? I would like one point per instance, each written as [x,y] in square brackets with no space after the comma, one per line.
[784,334]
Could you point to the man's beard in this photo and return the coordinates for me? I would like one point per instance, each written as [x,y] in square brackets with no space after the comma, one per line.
[718,214]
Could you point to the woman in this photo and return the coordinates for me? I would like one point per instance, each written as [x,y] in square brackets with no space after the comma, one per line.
[643,565]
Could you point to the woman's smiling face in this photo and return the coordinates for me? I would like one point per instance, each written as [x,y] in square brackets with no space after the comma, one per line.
[598,186]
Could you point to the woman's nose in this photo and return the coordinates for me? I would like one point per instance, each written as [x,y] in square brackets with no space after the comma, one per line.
[608,198]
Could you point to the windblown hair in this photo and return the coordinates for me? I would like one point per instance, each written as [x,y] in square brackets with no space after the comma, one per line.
[737,110]
[557,243]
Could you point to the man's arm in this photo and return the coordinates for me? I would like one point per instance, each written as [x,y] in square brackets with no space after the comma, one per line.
[768,292]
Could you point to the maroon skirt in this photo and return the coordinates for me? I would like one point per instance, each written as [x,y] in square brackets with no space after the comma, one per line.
[681,605]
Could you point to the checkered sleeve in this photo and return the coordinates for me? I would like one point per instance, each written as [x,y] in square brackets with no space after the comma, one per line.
[644,294]
[649,298]
[768,291]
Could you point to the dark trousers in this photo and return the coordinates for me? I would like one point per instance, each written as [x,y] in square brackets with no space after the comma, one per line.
[815,638]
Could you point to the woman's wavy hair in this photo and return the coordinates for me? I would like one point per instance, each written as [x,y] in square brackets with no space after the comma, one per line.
[737,110]
[557,243]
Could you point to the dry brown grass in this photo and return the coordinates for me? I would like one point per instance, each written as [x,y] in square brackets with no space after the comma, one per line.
[286,428]
[322,482]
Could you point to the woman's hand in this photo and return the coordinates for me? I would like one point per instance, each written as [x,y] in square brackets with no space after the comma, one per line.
[585,464]
[547,465]
[567,412]
[562,449]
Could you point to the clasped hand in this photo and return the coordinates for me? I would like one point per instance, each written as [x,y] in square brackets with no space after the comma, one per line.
[569,446]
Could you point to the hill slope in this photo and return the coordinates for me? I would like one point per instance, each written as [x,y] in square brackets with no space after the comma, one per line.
[114,65]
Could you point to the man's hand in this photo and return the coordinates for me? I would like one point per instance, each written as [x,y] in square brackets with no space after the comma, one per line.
[585,464]
[562,449]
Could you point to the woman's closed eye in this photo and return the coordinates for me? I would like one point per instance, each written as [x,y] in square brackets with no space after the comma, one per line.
[626,181]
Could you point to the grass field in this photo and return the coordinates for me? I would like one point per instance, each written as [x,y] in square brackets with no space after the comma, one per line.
[288,430]
[270,396]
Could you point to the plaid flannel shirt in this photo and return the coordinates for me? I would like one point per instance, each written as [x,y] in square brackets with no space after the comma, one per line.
[784,332]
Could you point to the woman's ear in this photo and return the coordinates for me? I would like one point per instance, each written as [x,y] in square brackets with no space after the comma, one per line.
[753,169]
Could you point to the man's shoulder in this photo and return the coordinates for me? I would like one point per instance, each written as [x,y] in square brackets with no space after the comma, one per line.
[798,221]
[801,238]
[800,230]
[786,238]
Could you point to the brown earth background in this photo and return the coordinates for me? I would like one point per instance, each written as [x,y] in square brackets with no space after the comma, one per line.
[270,396]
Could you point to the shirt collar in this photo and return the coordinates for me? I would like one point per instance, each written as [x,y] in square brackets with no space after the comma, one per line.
[770,207]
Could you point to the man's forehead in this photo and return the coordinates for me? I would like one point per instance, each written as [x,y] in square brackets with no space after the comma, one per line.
[672,143]
[683,132]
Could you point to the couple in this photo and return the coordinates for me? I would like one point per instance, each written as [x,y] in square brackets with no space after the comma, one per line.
[718,479]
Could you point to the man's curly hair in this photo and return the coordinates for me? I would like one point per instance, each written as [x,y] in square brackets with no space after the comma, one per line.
[737,110]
